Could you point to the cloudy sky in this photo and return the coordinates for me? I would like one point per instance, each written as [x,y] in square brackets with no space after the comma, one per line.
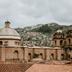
[31,12]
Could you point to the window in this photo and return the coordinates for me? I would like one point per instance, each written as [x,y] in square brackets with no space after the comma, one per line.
[1,42]
[52,56]
[16,54]
[16,51]
[41,54]
[64,42]
[69,41]
[29,53]
[29,57]
[17,43]
[6,43]
[61,41]
[55,42]
[62,56]
[69,56]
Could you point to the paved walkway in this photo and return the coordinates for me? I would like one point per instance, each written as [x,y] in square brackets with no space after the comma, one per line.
[50,68]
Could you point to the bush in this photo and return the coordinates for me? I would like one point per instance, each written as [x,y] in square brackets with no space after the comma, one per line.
[35,55]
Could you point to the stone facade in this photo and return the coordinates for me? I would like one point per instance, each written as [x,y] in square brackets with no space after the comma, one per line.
[12,51]
[61,48]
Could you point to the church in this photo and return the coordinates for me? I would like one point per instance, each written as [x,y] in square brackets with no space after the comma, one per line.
[11,49]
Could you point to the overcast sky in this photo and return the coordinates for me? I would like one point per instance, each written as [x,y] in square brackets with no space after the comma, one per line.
[31,12]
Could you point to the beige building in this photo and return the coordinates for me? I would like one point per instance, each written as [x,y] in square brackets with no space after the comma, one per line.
[10,44]
[12,51]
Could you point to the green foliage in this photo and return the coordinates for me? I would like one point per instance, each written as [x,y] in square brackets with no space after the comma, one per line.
[44,29]
[35,55]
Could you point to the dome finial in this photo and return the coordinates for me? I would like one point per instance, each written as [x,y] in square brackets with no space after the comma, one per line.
[7,24]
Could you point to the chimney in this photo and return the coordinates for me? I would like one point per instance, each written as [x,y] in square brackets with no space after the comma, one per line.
[7,24]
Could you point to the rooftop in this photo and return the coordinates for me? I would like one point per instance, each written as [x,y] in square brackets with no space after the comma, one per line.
[50,68]
[8,32]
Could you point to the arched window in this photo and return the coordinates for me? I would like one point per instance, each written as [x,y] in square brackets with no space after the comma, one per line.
[69,41]
[52,56]
[1,43]
[6,43]
[69,57]
[16,54]
[62,56]
[55,42]
[64,42]
[17,43]
[29,54]
[61,42]
[41,55]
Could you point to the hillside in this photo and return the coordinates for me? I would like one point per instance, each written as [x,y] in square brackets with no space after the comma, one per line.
[41,34]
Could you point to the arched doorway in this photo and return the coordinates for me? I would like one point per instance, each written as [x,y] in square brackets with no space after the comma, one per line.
[62,57]
[29,55]
[61,42]
[16,55]
[1,43]
[69,57]
[41,55]
[68,53]
[52,56]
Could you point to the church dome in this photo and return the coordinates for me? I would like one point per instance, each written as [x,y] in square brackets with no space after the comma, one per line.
[8,32]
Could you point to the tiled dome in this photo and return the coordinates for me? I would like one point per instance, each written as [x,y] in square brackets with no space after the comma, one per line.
[8,32]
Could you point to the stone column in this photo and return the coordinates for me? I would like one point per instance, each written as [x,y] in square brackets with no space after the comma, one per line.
[26,54]
[48,54]
[56,52]
[0,52]
[45,57]
[59,54]
[3,54]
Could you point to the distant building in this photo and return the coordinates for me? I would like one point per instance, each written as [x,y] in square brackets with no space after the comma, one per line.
[12,51]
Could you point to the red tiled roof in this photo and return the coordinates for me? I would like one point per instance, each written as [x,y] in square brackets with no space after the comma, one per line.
[50,68]
[14,67]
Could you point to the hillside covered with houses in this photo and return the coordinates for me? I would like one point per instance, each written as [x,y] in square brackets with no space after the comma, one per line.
[41,34]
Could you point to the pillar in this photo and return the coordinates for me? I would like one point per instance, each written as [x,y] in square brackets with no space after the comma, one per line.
[26,54]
